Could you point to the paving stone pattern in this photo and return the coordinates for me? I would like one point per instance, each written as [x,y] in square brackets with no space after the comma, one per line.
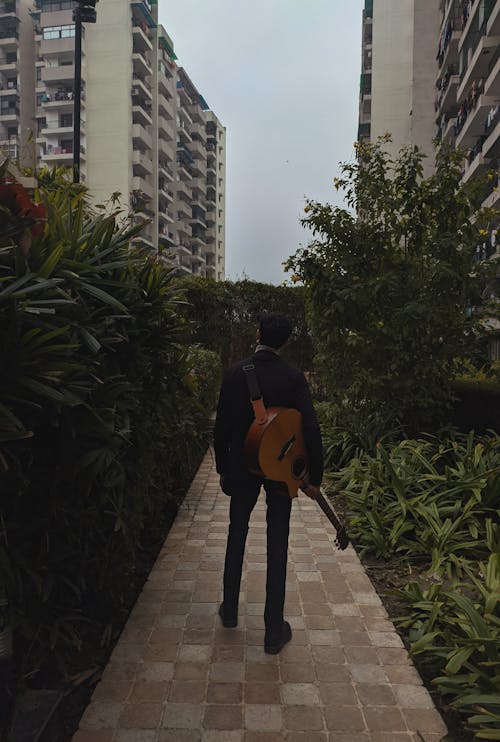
[176,675]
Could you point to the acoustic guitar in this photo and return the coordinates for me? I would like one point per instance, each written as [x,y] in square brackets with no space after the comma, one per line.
[275,449]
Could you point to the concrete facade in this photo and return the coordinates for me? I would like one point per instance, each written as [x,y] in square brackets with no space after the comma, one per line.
[398,73]
[17,80]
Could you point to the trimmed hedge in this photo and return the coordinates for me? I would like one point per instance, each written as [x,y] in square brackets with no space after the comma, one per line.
[101,426]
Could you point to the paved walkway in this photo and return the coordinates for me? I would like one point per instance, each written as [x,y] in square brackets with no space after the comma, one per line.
[176,675]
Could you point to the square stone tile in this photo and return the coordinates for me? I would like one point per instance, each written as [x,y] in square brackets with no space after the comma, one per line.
[262,692]
[412,696]
[195,653]
[190,671]
[384,719]
[179,735]
[263,718]
[141,716]
[223,717]
[376,695]
[345,719]
[227,672]
[263,672]
[424,720]
[297,672]
[329,673]
[326,637]
[338,694]
[299,694]
[182,716]
[102,715]
[225,693]
[187,691]
[368,674]
[305,718]
[149,690]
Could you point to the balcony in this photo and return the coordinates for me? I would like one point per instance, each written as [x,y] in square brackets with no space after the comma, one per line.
[183,191]
[165,129]
[198,149]
[166,217]
[493,27]
[141,39]
[164,107]
[474,123]
[142,186]
[182,209]
[141,66]
[477,166]
[140,137]
[54,129]
[448,51]
[448,96]
[142,165]
[479,64]
[141,115]
[166,148]
[491,144]
[492,84]
[63,73]
[63,155]
[165,168]
[57,47]
[198,186]
[164,189]
[196,113]
[62,99]
[7,64]
[8,8]
[140,91]
[492,201]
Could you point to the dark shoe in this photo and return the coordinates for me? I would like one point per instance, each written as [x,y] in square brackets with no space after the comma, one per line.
[286,635]
[227,622]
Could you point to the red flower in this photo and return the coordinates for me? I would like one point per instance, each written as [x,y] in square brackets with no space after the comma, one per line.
[17,211]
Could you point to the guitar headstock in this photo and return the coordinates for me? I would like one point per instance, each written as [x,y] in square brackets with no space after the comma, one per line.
[342,539]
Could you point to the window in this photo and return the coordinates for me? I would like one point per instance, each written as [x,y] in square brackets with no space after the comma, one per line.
[59,5]
[66,119]
[67,145]
[59,32]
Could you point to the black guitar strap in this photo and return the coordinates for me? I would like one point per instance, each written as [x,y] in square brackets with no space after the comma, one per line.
[252,382]
[255,393]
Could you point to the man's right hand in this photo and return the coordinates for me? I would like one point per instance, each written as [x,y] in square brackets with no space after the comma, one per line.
[312,491]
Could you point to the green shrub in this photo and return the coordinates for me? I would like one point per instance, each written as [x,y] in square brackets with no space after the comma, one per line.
[100,428]
[224,316]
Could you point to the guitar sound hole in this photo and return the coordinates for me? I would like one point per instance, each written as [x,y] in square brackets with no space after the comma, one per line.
[299,468]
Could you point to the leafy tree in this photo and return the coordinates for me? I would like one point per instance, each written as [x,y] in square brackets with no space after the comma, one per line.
[388,281]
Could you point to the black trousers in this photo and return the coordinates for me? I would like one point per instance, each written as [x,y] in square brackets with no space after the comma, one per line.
[243,498]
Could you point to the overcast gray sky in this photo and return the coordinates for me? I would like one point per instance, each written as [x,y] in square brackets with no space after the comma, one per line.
[283,77]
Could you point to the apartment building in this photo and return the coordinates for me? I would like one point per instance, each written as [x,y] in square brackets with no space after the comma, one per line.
[143,122]
[398,73]
[17,80]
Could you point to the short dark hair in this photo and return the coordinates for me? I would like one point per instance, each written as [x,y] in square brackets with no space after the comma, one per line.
[275,329]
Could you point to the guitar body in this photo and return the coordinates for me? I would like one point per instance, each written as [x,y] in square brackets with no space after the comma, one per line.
[276,450]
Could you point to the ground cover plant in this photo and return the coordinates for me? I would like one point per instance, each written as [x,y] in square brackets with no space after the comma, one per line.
[431,505]
[103,414]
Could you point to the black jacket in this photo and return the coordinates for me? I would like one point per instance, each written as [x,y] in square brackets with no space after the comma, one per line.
[281,386]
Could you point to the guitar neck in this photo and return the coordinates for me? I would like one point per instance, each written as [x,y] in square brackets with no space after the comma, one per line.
[329,511]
